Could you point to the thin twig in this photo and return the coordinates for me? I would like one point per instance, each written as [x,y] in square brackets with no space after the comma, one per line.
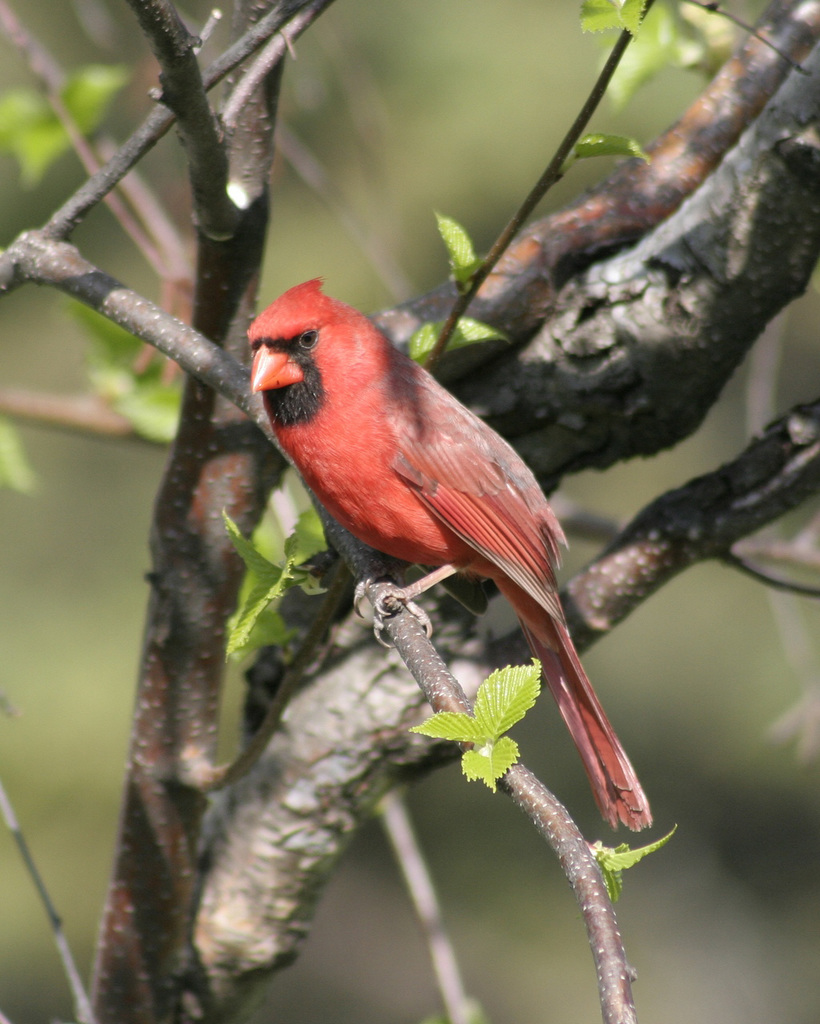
[715,8]
[82,1006]
[398,827]
[555,824]
[272,52]
[551,175]
[158,122]
[154,218]
[778,582]
[795,552]
[46,68]
[444,693]
[84,413]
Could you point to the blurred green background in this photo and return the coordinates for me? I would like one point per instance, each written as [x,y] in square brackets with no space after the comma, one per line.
[413,108]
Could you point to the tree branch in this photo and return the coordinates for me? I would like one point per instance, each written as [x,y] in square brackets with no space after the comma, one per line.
[641,344]
[292,18]
[183,92]
[700,520]
[636,197]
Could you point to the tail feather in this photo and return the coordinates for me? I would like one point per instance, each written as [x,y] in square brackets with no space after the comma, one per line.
[615,786]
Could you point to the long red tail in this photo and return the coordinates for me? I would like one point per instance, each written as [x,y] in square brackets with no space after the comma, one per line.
[615,785]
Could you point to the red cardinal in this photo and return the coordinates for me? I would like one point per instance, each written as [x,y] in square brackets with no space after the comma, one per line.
[410,471]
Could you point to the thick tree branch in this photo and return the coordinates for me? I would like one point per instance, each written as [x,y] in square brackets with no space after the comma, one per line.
[700,520]
[642,343]
[195,575]
[637,196]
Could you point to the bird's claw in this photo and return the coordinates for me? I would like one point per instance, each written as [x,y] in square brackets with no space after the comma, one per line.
[389,602]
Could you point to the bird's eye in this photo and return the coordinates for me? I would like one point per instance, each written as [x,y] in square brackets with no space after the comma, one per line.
[307,339]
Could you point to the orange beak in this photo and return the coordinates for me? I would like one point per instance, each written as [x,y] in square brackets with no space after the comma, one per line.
[272,369]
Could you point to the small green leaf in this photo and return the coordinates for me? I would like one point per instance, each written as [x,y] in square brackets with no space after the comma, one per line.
[423,340]
[254,624]
[31,133]
[309,536]
[144,397]
[597,144]
[247,616]
[255,562]
[614,861]
[152,407]
[506,696]
[268,630]
[460,250]
[632,15]
[15,471]
[467,332]
[88,93]
[489,762]
[452,725]
[604,15]
[502,700]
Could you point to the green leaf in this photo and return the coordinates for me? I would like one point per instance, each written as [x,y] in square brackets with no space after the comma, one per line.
[467,332]
[596,144]
[152,408]
[502,700]
[604,15]
[309,536]
[143,396]
[487,764]
[452,725]
[88,93]
[265,581]
[31,133]
[659,45]
[632,15]
[614,861]
[255,562]
[506,696]
[254,624]
[460,250]
[269,629]
[15,471]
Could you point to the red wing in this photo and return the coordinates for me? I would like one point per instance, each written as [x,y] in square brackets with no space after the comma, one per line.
[478,485]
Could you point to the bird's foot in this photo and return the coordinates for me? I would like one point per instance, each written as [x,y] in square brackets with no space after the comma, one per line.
[391,599]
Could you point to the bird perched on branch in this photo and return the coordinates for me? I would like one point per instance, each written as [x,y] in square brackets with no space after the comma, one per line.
[410,471]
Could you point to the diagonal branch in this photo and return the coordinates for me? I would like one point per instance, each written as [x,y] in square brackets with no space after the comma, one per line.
[701,520]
